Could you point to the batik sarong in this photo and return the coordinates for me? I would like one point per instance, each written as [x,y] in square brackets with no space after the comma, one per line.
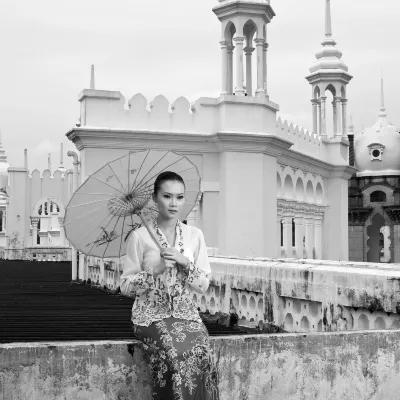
[180,359]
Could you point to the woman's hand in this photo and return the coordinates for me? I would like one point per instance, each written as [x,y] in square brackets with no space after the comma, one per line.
[163,266]
[172,254]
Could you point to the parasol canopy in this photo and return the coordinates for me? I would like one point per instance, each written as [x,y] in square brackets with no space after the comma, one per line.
[117,199]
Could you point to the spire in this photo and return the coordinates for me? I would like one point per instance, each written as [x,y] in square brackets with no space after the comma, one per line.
[3,156]
[382,112]
[61,156]
[328,19]
[49,162]
[92,84]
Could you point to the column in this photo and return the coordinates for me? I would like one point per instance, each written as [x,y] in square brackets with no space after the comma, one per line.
[62,232]
[249,83]
[344,117]
[82,272]
[323,116]
[334,117]
[265,48]
[75,185]
[239,91]
[287,236]
[278,235]
[339,122]
[309,220]
[224,76]
[230,68]
[3,221]
[319,117]
[315,116]
[318,236]
[299,234]
[260,67]
[34,222]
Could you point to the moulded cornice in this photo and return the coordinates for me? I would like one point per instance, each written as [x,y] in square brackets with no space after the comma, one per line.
[99,94]
[295,159]
[193,142]
[329,75]
[251,143]
[228,9]
[343,171]
[231,99]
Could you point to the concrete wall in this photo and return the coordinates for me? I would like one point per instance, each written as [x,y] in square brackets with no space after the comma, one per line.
[326,366]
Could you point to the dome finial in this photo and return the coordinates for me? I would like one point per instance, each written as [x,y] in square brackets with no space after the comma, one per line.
[92,83]
[382,112]
[328,19]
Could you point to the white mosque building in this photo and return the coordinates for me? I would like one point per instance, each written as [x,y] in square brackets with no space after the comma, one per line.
[269,188]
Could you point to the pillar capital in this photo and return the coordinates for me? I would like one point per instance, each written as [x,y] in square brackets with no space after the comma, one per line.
[259,41]
[35,221]
[265,45]
[248,50]
[224,44]
[239,39]
[230,47]
[343,100]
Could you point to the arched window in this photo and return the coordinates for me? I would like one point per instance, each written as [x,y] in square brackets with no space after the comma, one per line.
[378,196]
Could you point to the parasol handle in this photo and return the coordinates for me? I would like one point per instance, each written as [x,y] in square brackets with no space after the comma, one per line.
[151,233]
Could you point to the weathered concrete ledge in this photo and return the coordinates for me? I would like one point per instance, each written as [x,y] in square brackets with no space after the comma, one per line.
[320,366]
[294,295]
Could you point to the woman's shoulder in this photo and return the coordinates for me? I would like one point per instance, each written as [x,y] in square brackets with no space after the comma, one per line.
[193,231]
[140,234]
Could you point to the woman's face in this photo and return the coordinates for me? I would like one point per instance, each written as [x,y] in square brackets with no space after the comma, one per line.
[170,199]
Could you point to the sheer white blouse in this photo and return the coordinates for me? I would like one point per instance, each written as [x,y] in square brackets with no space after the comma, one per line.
[171,293]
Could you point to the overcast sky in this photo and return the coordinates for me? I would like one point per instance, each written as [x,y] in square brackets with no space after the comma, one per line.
[172,48]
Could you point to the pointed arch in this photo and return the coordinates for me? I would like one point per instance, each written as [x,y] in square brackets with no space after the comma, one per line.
[331,89]
[317,92]
[229,31]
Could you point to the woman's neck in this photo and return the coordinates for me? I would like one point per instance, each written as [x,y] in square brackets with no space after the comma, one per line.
[166,224]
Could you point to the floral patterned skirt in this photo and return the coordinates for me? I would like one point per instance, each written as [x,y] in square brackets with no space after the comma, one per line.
[180,359]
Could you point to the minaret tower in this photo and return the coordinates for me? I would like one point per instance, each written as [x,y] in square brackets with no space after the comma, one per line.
[241,22]
[329,72]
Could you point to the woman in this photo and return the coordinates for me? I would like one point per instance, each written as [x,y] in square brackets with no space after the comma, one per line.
[164,315]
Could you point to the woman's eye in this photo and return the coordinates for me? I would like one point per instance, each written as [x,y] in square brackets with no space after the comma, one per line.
[166,196]
[181,197]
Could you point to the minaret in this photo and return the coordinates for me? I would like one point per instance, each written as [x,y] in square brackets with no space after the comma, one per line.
[242,23]
[61,168]
[3,165]
[329,72]
[350,135]
[49,162]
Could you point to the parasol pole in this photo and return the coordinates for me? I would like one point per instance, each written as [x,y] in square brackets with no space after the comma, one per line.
[151,233]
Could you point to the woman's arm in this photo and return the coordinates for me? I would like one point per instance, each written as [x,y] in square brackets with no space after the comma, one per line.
[199,271]
[135,281]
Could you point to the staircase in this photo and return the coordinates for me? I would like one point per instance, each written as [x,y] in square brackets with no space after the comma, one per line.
[38,302]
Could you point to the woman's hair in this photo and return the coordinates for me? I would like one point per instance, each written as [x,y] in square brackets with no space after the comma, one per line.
[166,176]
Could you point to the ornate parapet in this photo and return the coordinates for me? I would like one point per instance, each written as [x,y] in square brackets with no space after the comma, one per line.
[303,140]
[394,213]
[358,215]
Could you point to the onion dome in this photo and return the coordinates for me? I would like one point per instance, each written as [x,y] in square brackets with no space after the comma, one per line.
[377,148]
